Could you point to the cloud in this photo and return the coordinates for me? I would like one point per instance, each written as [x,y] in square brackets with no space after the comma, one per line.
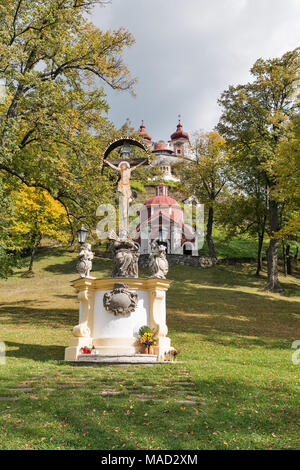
[188,52]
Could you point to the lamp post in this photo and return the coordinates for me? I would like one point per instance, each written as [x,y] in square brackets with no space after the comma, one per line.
[163,237]
[81,235]
[160,236]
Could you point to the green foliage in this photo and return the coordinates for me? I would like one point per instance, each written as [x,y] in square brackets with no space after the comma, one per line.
[52,124]
[255,116]
[206,177]
[286,170]
[144,329]
[229,245]
[9,258]
[137,185]
[255,120]
[170,184]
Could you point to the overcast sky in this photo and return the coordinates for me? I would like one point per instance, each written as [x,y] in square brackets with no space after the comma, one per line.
[188,51]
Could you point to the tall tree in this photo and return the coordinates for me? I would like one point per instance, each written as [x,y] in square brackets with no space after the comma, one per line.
[254,121]
[55,63]
[286,170]
[241,213]
[206,176]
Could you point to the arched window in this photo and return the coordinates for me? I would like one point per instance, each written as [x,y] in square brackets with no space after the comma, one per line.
[187,248]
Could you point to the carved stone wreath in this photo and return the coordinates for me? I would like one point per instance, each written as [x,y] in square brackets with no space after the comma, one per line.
[120,301]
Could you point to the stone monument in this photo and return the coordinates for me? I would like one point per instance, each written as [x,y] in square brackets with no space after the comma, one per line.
[85,257]
[158,262]
[125,255]
[113,310]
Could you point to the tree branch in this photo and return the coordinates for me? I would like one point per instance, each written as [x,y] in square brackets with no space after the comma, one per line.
[42,186]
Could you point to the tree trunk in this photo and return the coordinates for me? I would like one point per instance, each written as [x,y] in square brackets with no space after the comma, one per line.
[261,236]
[209,239]
[284,258]
[273,283]
[296,254]
[33,251]
[288,260]
[72,240]
[259,253]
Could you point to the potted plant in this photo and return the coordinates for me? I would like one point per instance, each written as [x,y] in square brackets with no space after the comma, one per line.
[147,339]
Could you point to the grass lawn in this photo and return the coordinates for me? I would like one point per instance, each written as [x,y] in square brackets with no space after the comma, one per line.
[237,387]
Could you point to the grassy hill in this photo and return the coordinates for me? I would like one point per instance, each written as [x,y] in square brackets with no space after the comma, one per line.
[237,387]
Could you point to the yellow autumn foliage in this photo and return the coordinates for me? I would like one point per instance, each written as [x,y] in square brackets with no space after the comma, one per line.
[37,214]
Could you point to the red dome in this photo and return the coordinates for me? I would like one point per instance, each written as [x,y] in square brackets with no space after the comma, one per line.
[161,145]
[143,133]
[161,201]
[179,134]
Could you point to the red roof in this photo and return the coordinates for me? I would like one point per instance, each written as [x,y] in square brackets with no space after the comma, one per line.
[161,145]
[179,133]
[143,132]
[161,201]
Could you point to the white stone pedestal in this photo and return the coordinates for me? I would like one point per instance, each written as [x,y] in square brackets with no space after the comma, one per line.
[116,336]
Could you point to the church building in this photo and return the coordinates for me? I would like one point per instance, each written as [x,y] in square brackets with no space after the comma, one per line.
[162,220]
[167,153]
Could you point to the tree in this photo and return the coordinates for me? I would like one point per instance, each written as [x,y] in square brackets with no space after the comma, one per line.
[287,190]
[254,121]
[53,127]
[206,176]
[9,258]
[36,214]
[244,207]
[245,212]
[53,61]
[286,170]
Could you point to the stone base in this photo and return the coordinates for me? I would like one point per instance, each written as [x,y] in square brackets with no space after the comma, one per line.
[115,336]
[73,351]
[118,359]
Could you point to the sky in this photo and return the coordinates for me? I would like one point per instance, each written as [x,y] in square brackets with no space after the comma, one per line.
[188,51]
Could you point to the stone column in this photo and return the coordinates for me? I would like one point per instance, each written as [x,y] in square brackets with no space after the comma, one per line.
[83,331]
[157,316]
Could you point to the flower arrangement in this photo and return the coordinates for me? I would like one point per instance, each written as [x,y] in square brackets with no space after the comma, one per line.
[146,337]
[172,354]
[86,350]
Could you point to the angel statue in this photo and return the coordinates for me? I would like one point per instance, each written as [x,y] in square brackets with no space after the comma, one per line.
[158,262]
[125,254]
[85,256]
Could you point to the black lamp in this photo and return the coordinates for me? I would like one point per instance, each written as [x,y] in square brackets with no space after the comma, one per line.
[162,235]
[81,235]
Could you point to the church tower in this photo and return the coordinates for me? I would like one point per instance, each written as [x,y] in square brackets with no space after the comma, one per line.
[168,153]
[180,142]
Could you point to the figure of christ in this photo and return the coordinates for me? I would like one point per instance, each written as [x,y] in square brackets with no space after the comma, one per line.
[124,186]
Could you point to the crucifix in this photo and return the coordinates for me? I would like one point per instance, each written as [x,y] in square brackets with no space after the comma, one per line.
[125,171]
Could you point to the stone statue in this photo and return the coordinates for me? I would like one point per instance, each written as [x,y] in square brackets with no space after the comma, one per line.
[120,301]
[85,256]
[158,262]
[125,255]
